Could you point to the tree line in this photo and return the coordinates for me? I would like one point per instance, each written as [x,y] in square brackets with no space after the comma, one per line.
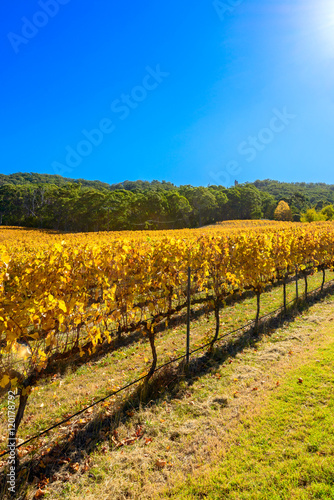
[54,202]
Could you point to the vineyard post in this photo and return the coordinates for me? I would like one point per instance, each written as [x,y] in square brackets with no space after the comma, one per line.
[151,337]
[305,279]
[258,298]
[323,279]
[297,284]
[188,315]
[217,322]
[284,295]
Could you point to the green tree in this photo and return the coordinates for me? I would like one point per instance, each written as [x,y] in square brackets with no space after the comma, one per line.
[311,215]
[179,209]
[328,212]
[244,202]
[149,210]
[220,194]
[268,205]
[203,203]
[8,206]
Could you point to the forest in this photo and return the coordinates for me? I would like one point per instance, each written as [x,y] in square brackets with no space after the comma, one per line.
[55,202]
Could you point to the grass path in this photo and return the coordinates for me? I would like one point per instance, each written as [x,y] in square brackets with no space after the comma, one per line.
[285,449]
[245,428]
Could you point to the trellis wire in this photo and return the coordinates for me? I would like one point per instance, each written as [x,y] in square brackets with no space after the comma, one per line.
[174,360]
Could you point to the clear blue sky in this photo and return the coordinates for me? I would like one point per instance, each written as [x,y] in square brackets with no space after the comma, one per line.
[190,92]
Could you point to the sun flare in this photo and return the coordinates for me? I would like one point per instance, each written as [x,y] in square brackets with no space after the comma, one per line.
[325,22]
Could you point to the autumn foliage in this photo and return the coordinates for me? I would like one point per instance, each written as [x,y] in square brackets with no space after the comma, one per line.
[283,211]
[64,296]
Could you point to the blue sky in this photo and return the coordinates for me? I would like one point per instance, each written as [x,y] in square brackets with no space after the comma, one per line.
[190,92]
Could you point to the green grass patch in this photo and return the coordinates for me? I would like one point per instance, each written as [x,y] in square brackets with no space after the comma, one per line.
[285,452]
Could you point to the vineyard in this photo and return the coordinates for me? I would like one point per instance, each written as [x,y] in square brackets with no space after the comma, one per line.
[64,296]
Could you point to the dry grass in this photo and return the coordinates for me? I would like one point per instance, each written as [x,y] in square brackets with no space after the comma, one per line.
[196,427]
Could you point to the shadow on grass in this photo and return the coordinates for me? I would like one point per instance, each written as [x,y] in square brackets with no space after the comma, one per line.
[203,307]
[56,461]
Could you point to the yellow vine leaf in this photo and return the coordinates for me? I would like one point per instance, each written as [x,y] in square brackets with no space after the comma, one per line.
[4,381]
[62,306]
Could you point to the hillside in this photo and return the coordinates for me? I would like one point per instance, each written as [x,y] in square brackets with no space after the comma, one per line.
[313,192]
[305,194]
[31,178]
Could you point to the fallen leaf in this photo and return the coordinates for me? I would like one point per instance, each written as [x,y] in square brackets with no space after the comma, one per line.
[75,467]
[129,441]
[161,463]
[39,493]
[85,467]
[139,431]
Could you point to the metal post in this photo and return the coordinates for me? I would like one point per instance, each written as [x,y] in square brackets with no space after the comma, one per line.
[284,295]
[296,285]
[188,317]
